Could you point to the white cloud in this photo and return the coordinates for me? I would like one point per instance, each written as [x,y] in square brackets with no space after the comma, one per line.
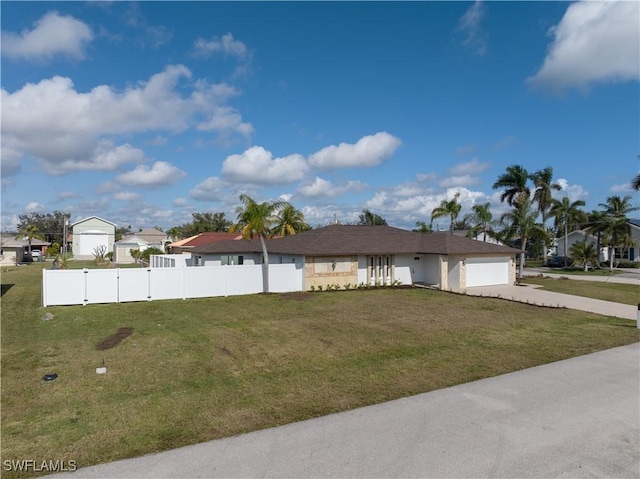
[65,128]
[370,150]
[621,188]
[594,42]
[210,189]
[473,167]
[105,157]
[324,188]
[465,150]
[181,202]
[226,45]
[65,195]
[573,192]
[159,174]
[469,25]
[424,177]
[459,180]
[225,120]
[257,166]
[34,206]
[53,35]
[126,196]
[505,142]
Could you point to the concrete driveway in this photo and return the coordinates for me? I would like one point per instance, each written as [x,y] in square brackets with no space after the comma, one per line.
[577,418]
[532,294]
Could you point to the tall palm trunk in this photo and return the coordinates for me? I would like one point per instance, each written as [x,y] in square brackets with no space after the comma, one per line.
[521,266]
[566,243]
[265,265]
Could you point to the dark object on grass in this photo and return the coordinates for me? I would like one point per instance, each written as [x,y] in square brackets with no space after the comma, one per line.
[558,262]
[49,377]
[114,339]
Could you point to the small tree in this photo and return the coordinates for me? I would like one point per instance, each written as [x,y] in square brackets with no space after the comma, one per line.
[135,254]
[584,252]
[99,253]
[146,254]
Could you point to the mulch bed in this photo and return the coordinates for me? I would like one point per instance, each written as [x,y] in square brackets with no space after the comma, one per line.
[114,339]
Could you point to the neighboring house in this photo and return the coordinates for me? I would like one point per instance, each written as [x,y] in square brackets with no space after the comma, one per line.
[91,233]
[14,249]
[147,238]
[487,238]
[629,253]
[633,253]
[349,254]
[576,237]
[188,244]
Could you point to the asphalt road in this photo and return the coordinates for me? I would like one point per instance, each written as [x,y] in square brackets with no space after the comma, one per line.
[577,418]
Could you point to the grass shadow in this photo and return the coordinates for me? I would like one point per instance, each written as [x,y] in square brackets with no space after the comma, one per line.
[5,288]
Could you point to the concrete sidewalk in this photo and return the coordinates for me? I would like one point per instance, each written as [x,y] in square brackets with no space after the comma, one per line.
[532,294]
[577,418]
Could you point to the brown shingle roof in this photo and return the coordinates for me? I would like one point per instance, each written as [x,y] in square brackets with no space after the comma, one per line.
[351,240]
[210,237]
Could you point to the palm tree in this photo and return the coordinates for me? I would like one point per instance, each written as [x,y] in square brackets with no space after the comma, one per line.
[481,220]
[615,221]
[289,221]
[514,182]
[567,213]
[596,225]
[521,223]
[635,183]
[422,227]
[254,220]
[543,183]
[367,218]
[30,232]
[449,208]
[584,252]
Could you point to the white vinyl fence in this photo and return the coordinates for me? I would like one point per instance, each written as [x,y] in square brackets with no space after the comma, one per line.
[89,286]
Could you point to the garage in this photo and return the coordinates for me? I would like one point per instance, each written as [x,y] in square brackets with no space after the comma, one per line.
[487,271]
[90,240]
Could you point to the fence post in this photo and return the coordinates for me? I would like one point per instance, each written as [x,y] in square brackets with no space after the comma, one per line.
[44,288]
[85,276]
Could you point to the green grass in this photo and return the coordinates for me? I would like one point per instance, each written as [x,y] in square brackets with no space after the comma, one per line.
[202,369]
[616,292]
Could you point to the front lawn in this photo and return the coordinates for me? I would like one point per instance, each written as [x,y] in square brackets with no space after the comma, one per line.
[616,292]
[195,370]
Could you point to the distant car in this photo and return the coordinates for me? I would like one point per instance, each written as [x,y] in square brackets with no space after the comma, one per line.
[558,261]
[35,253]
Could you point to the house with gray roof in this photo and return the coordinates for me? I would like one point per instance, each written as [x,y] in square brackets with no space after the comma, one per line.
[383,255]
[143,239]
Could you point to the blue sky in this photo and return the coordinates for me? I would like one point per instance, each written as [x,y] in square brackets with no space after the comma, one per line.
[143,113]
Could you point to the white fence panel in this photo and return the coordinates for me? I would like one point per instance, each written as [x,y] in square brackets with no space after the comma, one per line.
[166,283]
[133,285]
[204,281]
[244,279]
[101,285]
[284,278]
[62,287]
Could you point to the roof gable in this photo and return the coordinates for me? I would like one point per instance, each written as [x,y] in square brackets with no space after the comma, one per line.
[91,218]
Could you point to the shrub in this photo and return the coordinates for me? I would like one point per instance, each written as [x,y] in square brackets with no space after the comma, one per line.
[54,249]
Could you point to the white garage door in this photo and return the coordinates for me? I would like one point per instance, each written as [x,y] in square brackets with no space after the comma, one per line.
[487,271]
[90,240]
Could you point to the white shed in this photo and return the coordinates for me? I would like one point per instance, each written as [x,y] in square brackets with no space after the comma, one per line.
[91,233]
